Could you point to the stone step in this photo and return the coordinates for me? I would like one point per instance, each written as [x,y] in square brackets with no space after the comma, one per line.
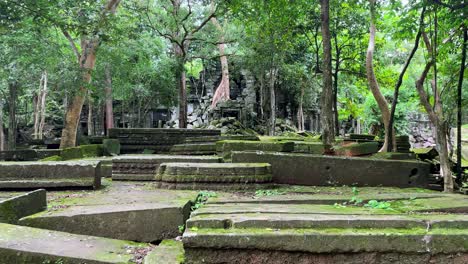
[300,221]
[214,176]
[19,244]
[145,167]
[194,149]
[53,174]
[225,147]
[212,244]
[127,212]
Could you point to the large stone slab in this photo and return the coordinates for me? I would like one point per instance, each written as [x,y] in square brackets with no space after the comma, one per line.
[215,175]
[19,244]
[136,212]
[145,167]
[27,154]
[168,252]
[135,140]
[322,170]
[16,205]
[56,174]
[195,149]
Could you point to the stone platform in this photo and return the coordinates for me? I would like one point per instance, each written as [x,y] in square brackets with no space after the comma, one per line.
[210,176]
[19,244]
[128,211]
[145,167]
[281,228]
[319,170]
[51,174]
[136,140]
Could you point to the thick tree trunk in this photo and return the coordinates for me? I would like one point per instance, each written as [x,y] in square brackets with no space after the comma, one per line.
[43,105]
[36,103]
[109,104]
[371,78]
[74,108]
[328,128]
[2,134]
[335,84]
[459,104]
[86,61]
[13,94]
[223,91]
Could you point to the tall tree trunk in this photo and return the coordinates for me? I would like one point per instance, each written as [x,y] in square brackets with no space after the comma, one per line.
[181,87]
[390,137]
[109,104]
[223,91]
[436,117]
[37,110]
[72,119]
[2,134]
[13,95]
[300,110]
[326,116]
[43,105]
[90,119]
[371,78]
[272,125]
[459,104]
[86,61]
[335,83]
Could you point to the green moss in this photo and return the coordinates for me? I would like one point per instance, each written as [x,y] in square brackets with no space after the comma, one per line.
[71,153]
[7,213]
[111,147]
[52,158]
[89,151]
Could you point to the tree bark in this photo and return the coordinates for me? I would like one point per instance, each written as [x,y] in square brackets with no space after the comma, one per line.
[36,103]
[328,128]
[13,95]
[90,119]
[300,110]
[43,105]
[2,134]
[223,91]
[181,87]
[335,85]
[371,78]
[86,60]
[109,103]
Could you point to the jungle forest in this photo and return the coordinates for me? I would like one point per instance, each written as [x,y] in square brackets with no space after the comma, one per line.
[73,70]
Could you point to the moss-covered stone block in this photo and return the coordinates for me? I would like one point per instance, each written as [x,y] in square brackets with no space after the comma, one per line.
[308,147]
[357,149]
[394,156]
[90,151]
[13,208]
[225,147]
[71,153]
[111,147]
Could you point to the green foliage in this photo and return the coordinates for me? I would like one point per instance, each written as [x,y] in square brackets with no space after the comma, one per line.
[378,204]
[202,198]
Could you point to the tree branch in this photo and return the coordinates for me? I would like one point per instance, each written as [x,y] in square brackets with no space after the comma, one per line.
[72,44]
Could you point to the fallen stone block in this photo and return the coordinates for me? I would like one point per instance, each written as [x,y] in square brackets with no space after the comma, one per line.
[13,207]
[308,147]
[19,244]
[226,147]
[213,176]
[319,170]
[124,212]
[145,167]
[111,147]
[58,174]
[18,155]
